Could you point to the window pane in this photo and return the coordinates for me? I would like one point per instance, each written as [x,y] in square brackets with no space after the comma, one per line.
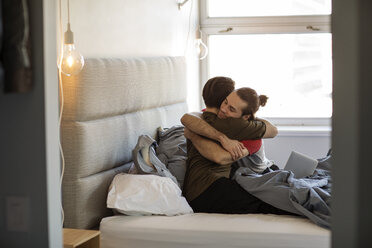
[234,8]
[293,70]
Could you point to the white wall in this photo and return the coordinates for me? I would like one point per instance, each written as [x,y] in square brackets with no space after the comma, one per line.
[127,28]
[279,148]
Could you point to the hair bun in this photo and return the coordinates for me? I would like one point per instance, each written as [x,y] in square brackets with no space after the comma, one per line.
[263,100]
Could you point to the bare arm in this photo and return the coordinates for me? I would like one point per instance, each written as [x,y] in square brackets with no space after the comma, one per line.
[271,130]
[197,125]
[210,149]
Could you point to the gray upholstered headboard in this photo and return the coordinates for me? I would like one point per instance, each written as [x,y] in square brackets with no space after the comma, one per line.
[106,107]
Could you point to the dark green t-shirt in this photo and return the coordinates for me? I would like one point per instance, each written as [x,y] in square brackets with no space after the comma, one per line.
[201,172]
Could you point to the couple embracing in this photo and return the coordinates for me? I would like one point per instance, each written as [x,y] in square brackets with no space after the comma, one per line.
[226,131]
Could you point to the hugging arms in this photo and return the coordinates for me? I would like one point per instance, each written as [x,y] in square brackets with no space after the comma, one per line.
[215,144]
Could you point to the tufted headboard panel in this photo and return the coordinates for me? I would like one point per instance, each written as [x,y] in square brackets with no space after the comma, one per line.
[106,107]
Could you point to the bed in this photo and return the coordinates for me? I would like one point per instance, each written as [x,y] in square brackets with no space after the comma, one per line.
[106,108]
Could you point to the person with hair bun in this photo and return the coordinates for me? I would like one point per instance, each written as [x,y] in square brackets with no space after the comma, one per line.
[245,99]
[253,100]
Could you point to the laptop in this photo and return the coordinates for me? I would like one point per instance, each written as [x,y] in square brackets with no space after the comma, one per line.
[301,165]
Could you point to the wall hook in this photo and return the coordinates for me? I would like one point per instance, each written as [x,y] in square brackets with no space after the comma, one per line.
[229,29]
[312,28]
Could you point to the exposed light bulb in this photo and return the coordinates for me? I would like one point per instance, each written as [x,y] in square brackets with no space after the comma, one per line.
[201,48]
[72,61]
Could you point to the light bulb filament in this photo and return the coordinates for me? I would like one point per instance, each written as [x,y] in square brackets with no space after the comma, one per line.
[70,61]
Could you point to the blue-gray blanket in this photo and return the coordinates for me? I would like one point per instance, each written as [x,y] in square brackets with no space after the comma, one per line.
[309,197]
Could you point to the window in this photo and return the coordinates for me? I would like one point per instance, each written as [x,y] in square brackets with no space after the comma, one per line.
[237,8]
[283,51]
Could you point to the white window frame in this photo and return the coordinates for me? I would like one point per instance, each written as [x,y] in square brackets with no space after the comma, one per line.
[263,25]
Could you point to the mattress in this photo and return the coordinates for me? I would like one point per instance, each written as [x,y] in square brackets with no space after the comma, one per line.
[212,230]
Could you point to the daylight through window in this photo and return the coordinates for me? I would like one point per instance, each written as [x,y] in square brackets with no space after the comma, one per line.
[281,48]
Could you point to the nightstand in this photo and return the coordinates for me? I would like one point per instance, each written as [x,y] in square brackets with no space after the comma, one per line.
[80,238]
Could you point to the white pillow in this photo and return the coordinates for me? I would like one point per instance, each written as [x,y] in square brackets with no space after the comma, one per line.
[146,195]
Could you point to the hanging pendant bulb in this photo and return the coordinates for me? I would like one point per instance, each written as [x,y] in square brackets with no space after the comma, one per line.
[72,61]
[201,48]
